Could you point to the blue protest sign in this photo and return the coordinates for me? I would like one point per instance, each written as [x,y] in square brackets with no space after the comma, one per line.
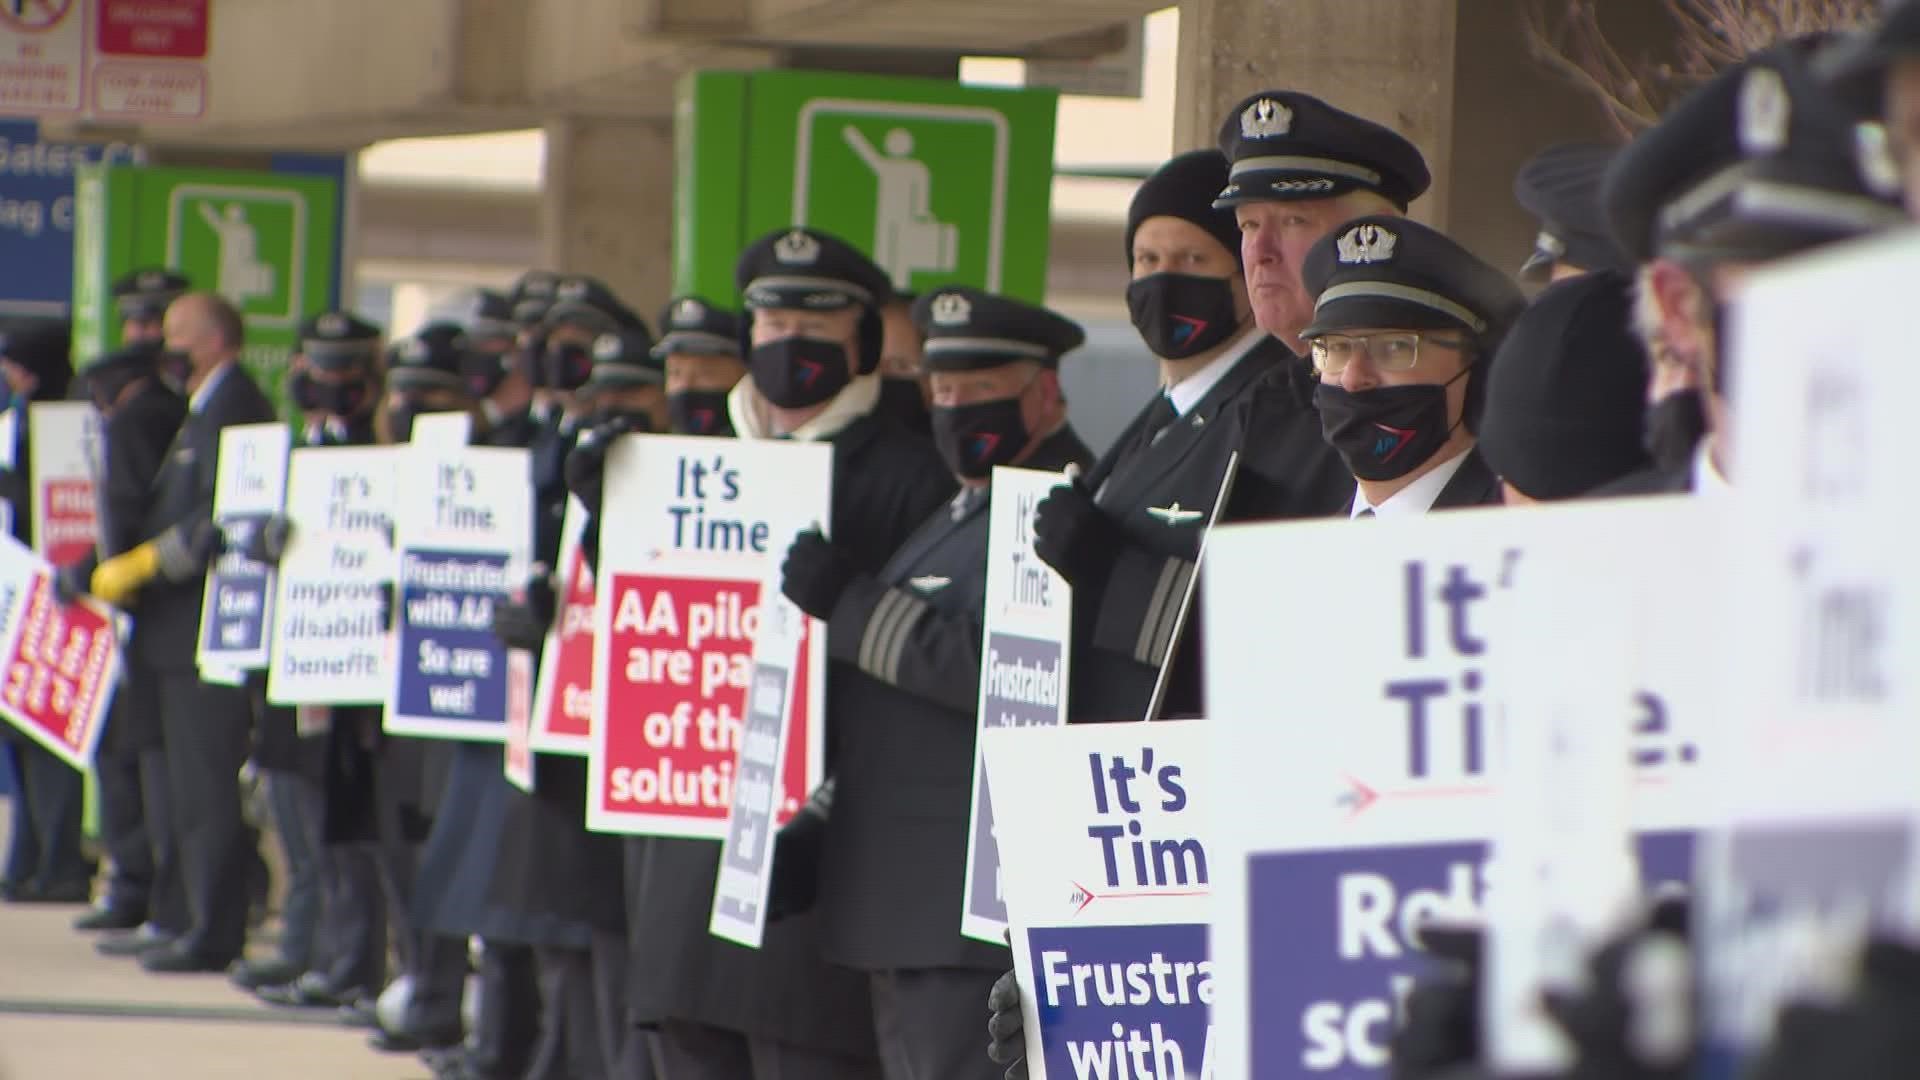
[463,529]
[1107,895]
[36,214]
[250,486]
[1367,793]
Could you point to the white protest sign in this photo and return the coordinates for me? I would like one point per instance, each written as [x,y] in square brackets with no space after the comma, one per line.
[1819,842]
[331,609]
[1355,711]
[740,890]
[1108,894]
[58,662]
[250,486]
[1024,654]
[441,430]
[64,438]
[516,760]
[699,522]
[463,531]
[563,696]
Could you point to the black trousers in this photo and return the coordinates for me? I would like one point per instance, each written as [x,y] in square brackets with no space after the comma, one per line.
[45,848]
[570,1046]
[508,1022]
[123,807]
[687,1051]
[206,730]
[927,1022]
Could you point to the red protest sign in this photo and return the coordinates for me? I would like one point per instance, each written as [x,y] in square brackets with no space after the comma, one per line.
[563,714]
[59,665]
[682,652]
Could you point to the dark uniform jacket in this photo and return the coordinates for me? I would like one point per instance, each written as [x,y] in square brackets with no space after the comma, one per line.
[895,856]
[134,446]
[1474,485]
[166,618]
[1162,491]
[886,481]
[1649,481]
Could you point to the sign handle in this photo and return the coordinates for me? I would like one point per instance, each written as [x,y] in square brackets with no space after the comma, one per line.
[1193,586]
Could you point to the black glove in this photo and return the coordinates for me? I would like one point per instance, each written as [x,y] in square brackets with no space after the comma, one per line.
[1442,1029]
[585,468]
[205,541]
[70,582]
[796,856]
[268,544]
[1608,1023]
[815,574]
[524,624]
[1869,1036]
[1005,1029]
[1074,536]
[388,598]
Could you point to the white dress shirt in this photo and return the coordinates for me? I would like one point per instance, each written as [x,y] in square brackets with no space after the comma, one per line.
[1416,498]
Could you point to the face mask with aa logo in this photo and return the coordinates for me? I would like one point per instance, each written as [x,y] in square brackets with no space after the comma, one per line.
[799,372]
[1181,315]
[1388,431]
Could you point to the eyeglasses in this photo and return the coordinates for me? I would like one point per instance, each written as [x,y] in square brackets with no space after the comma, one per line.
[1398,351]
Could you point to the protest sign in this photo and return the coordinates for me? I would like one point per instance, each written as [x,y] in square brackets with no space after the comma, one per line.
[699,521]
[441,430]
[516,762]
[332,606]
[9,459]
[740,889]
[1817,844]
[563,697]
[64,439]
[60,661]
[463,532]
[249,486]
[1357,731]
[1025,649]
[1178,624]
[1107,886]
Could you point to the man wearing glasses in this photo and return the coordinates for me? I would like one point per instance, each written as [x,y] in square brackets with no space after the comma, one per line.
[1405,322]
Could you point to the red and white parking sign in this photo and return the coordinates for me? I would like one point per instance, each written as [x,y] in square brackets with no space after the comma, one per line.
[43,56]
[111,58]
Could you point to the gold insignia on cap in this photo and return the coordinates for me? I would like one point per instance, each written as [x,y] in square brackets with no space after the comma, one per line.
[1765,112]
[331,325]
[1875,159]
[951,309]
[1365,244]
[606,347]
[689,311]
[1264,119]
[797,249]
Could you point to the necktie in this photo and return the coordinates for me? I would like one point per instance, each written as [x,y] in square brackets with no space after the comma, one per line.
[1365,512]
[1160,415]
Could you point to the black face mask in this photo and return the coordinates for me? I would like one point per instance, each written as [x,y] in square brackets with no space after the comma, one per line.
[799,372]
[105,387]
[527,359]
[1387,432]
[173,367]
[1675,425]
[902,399]
[565,366]
[482,372]
[620,420]
[1182,315]
[334,398]
[972,439]
[699,412]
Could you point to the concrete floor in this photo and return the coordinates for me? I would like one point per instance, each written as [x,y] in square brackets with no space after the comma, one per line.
[67,1013]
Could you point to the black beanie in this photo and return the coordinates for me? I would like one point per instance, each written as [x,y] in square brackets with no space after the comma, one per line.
[1185,188]
[1567,392]
[45,348]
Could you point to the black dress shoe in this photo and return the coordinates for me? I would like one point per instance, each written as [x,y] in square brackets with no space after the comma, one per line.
[390,1042]
[142,939]
[256,974]
[68,892]
[361,1013]
[109,917]
[177,960]
[309,991]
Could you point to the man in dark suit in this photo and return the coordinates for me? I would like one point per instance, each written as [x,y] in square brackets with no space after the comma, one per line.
[1128,538]
[140,416]
[1405,326]
[44,861]
[1760,163]
[204,728]
[905,642]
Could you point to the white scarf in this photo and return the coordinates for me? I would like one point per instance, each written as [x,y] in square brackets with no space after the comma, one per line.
[753,417]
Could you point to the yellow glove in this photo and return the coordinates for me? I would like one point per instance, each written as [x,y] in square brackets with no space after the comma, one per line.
[117,579]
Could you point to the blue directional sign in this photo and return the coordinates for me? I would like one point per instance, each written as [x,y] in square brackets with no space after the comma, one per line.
[36,214]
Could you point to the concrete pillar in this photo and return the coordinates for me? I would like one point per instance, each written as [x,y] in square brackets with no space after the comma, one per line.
[1454,76]
[606,206]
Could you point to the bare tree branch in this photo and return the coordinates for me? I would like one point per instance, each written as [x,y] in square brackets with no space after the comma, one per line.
[1566,36]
